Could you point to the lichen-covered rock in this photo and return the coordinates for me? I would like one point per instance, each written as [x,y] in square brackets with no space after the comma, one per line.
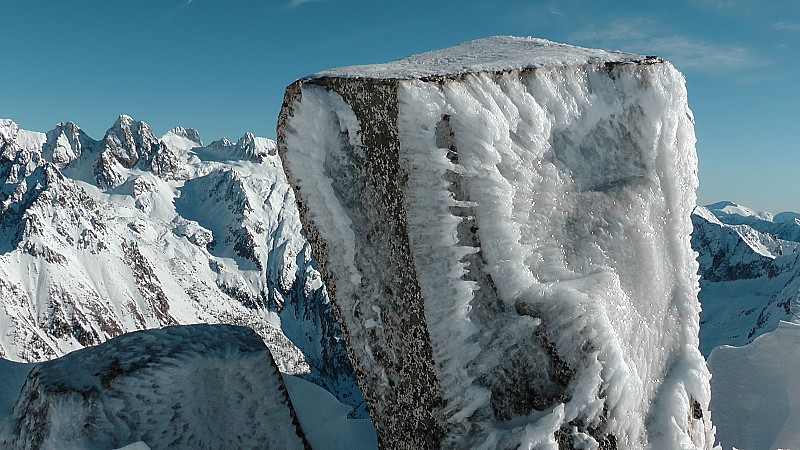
[503,227]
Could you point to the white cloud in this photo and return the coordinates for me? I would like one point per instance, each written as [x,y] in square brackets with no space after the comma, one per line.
[553,10]
[787,26]
[177,10]
[296,3]
[717,4]
[646,36]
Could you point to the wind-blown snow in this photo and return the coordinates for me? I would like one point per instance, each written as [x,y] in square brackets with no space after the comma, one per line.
[756,391]
[545,192]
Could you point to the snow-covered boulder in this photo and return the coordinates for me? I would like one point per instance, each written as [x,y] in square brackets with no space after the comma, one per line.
[198,386]
[503,227]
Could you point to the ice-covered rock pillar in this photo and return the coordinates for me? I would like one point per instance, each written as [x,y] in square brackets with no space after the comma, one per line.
[503,227]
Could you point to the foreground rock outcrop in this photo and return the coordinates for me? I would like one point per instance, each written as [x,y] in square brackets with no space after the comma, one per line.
[503,228]
[199,386]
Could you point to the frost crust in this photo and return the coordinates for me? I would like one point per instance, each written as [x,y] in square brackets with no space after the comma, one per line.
[546,215]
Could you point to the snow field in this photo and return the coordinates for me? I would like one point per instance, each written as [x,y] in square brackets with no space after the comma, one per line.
[755,403]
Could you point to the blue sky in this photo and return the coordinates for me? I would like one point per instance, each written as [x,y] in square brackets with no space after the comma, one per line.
[221,66]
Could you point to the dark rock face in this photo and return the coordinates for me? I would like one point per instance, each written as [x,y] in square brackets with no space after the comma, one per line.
[401,345]
[198,386]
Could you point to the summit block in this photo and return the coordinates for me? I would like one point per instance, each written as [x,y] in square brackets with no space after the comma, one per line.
[503,227]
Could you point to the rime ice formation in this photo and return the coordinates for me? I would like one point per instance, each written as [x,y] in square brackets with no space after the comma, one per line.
[99,238]
[503,228]
[198,386]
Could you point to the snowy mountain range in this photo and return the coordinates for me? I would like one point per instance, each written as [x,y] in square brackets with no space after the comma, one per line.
[131,232]
[749,272]
[750,292]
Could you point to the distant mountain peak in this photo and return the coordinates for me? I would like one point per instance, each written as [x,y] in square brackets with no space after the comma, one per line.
[65,143]
[749,265]
[220,143]
[8,130]
[187,133]
[124,118]
[728,208]
[235,252]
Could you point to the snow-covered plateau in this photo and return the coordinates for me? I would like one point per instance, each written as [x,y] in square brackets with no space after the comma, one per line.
[504,231]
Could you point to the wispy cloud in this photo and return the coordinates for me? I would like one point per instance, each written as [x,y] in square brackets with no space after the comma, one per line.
[747,8]
[718,4]
[554,11]
[786,26]
[295,3]
[643,35]
[182,6]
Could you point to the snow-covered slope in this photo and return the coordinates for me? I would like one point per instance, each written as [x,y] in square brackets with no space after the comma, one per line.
[504,229]
[750,272]
[785,225]
[756,391]
[199,386]
[98,238]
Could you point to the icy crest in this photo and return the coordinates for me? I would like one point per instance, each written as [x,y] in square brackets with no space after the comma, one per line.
[493,54]
[756,391]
